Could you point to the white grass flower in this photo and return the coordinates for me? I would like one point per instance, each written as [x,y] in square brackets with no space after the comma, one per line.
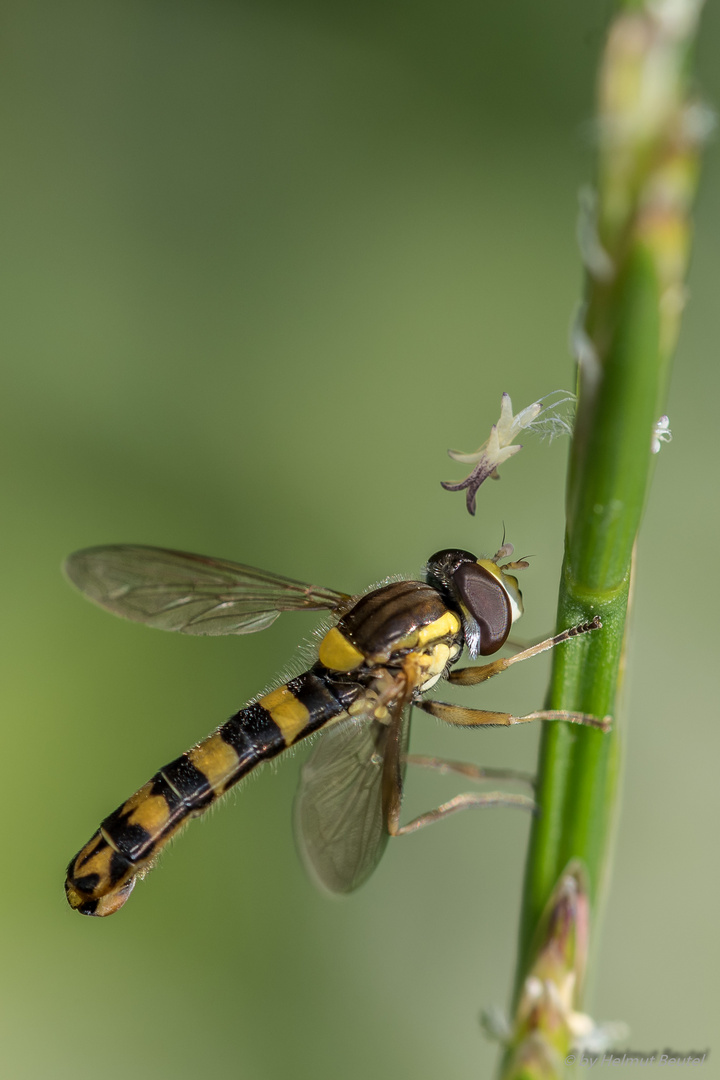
[500,444]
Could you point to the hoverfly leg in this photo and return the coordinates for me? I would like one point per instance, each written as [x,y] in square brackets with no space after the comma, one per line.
[470,676]
[464,802]
[516,645]
[603,724]
[468,770]
[461,716]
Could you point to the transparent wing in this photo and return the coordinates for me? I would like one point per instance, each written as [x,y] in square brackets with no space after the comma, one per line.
[339,820]
[173,590]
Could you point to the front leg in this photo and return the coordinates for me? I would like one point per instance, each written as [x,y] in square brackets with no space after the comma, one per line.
[470,676]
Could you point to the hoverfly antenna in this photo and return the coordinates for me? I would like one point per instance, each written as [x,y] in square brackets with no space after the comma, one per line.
[519,564]
[502,552]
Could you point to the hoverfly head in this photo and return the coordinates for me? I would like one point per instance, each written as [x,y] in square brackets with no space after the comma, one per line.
[487,598]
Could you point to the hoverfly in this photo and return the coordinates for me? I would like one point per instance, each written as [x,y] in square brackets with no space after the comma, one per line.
[385,650]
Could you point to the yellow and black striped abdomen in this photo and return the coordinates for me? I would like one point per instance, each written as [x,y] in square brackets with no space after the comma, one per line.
[101,877]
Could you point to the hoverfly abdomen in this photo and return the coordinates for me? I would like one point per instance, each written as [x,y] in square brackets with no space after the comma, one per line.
[102,875]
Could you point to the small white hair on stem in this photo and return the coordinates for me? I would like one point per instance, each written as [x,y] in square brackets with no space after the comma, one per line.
[661,434]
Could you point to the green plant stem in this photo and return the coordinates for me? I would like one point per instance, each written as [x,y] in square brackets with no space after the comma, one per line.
[635,260]
[608,478]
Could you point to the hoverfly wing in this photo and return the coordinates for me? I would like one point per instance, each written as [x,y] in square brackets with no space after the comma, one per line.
[193,594]
[340,827]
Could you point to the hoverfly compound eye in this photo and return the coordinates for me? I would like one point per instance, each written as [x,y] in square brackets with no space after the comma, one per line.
[486,608]
[508,581]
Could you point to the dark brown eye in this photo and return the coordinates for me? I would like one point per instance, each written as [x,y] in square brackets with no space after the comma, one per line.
[488,606]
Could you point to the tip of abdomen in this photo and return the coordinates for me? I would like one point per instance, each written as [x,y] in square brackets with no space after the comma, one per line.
[100,905]
[99,879]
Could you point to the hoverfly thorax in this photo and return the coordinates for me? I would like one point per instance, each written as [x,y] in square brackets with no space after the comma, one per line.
[486,597]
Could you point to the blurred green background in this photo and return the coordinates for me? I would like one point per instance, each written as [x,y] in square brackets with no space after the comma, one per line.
[263,264]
